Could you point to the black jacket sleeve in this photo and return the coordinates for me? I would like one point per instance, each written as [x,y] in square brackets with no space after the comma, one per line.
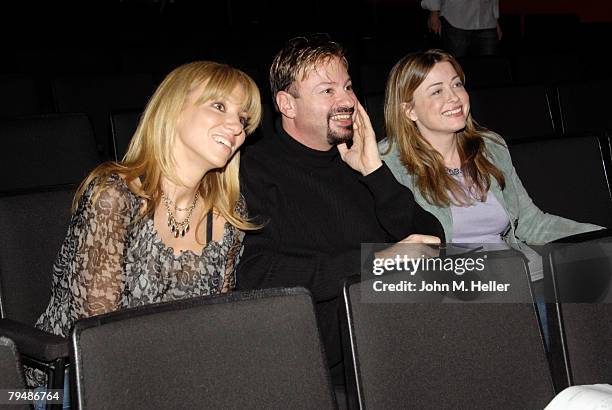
[396,209]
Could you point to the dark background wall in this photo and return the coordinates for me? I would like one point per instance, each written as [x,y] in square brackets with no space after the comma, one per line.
[62,37]
[588,10]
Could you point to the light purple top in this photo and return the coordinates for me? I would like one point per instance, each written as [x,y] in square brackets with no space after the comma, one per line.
[480,222]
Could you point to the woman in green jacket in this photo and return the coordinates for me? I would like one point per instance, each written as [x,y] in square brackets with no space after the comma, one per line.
[453,165]
[459,171]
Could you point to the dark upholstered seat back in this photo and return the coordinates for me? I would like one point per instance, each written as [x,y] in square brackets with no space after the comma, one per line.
[123,126]
[11,376]
[583,106]
[566,177]
[19,96]
[513,112]
[99,95]
[32,228]
[257,349]
[450,355]
[582,274]
[46,150]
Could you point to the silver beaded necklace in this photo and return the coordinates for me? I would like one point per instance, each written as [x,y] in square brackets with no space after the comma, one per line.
[178,228]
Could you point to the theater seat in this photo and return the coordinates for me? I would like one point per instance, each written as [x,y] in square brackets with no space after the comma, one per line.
[19,96]
[11,376]
[517,112]
[581,274]
[583,106]
[46,150]
[257,349]
[123,126]
[427,350]
[566,176]
[486,71]
[375,106]
[32,229]
[98,96]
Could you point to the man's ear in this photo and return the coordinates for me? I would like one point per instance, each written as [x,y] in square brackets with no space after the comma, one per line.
[408,109]
[286,104]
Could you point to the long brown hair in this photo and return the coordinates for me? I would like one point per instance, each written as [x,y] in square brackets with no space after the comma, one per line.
[149,154]
[419,157]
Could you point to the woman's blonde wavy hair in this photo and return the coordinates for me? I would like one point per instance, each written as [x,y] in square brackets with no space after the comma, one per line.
[418,156]
[149,155]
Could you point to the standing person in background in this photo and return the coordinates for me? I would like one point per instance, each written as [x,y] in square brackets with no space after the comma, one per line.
[317,199]
[467,27]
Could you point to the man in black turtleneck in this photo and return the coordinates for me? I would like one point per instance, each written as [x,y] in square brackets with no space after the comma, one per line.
[316,198]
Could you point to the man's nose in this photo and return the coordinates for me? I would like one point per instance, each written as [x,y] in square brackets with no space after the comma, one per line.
[346,99]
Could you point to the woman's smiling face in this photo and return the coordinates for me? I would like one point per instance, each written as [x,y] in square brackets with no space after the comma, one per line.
[440,104]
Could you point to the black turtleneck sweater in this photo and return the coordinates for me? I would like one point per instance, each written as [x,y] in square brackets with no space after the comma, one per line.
[316,212]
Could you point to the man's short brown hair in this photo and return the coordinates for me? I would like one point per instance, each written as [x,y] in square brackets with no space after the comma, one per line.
[297,56]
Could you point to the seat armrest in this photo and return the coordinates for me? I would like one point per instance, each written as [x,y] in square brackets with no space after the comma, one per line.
[586,236]
[34,342]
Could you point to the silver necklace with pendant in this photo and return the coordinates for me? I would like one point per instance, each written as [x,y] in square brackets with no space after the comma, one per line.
[178,228]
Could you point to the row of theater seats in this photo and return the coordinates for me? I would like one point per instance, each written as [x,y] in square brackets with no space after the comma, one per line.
[482,351]
[261,349]
[120,97]
[94,95]
[497,71]
[554,91]
[513,111]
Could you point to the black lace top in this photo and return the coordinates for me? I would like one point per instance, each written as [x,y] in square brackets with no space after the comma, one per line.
[112,260]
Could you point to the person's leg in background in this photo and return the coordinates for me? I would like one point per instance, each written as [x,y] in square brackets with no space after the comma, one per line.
[454,40]
[538,292]
[535,263]
[66,404]
[484,43]
[42,404]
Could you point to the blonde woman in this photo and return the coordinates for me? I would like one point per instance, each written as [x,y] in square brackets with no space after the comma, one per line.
[165,223]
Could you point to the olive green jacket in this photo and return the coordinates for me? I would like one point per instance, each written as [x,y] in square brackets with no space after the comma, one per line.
[528,223]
